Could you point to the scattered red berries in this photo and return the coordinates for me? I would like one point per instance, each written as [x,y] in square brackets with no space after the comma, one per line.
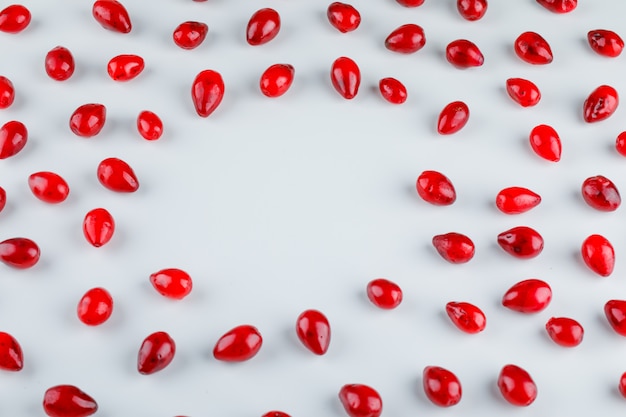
[392,90]
[615,312]
[601,104]
[207,92]
[565,332]
[112,15]
[172,283]
[276,80]
[117,175]
[528,296]
[149,125]
[453,118]
[361,400]
[68,401]
[59,63]
[601,194]
[466,317]
[546,143]
[263,26]
[523,92]
[533,48]
[406,39]
[19,252]
[125,67]
[190,34]
[156,353]
[455,248]
[517,200]
[11,356]
[521,242]
[14,18]
[95,307]
[599,255]
[238,344]
[13,138]
[48,187]
[7,92]
[384,293]
[464,54]
[605,42]
[435,188]
[313,330]
[516,386]
[344,17]
[441,386]
[559,6]
[346,77]
[471,9]
[88,120]
[98,227]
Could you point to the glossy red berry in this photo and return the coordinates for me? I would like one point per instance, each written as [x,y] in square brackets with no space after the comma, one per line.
[88,120]
[622,385]
[156,353]
[410,3]
[615,312]
[7,92]
[11,356]
[601,104]
[516,200]
[533,48]
[546,143]
[95,307]
[471,9]
[276,80]
[620,144]
[598,254]
[344,17]
[19,252]
[346,77]
[275,414]
[98,227]
[517,386]
[360,400]
[117,175]
[453,118]
[3,199]
[149,125]
[464,54]
[172,283]
[207,92]
[13,138]
[392,90]
[59,63]
[238,344]
[112,15]
[564,331]
[435,188]
[455,248]
[466,317]
[189,35]
[441,386]
[384,293]
[528,296]
[263,26]
[48,187]
[523,92]
[559,6]
[605,42]
[14,18]
[68,401]
[313,330]
[601,194]
[521,242]
[406,39]
[125,67]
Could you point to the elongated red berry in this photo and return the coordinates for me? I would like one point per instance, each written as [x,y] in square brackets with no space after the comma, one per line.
[125,67]
[441,386]
[48,187]
[523,92]
[622,385]
[263,26]
[601,104]
[410,3]
[471,9]
[346,77]
[601,193]
[392,90]
[546,143]
[559,6]
[516,386]
[528,296]
[516,200]
[112,15]
[453,118]
[190,34]
[19,252]
[59,63]
[14,18]
[275,413]
[455,248]
[564,331]
[207,92]
[406,39]
[466,317]
[13,138]
[11,356]
[313,330]
[344,17]
[276,80]
[521,242]
[149,125]
[435,188]
[598,254]
[533,48]
[605,42]
[384,294]
[117,175]
[68,401]
[238,344]
[464,54]
[620,143]
[7,92]
[3,199]
[98,227]
[156,353]
[172,283]
[360,400]
[88,120]
[95,307]
[615,312]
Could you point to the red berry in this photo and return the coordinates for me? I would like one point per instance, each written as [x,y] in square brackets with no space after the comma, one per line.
[615,312]
[125,67]
[59,63]
[406,39]
[601,194]
[360,401]
[207,92]
[528,296]
[601,104]
[98,227]
[392,90]
[11,356]
[117,175]
[3,199]
[263,26]
[19,252]
[14,18]
[559,6]
[516,200]
[156,353]
[464,54]
[68,401]
[533,48]
[384,293]
[435,188]
[564,331]
[7,92]
[95,307]
[546,142]
[599,255]
[620,144]
[521,242]
[454,247]
[238,344]
[13,138]
[276,80]
[189,35]
[313,330]
[605,42]
[410,3]
[622,385]
[516,386]
[441,386]
[346,77]
[453,118]
[523,92]
[149,125]
[48,187]
[275,414]
[471,9]
[172,283]
[344,17]
[112,15]
[466,317]
[88,120]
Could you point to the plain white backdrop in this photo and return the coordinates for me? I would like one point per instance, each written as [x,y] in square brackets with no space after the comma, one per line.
[275,206]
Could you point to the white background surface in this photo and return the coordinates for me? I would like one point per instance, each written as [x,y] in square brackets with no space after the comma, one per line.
[276,206]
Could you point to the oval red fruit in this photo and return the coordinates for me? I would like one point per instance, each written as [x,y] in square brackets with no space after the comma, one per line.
[190,34]
[528,296]
[149,125]
[156,353]
[275,414]
[98,227]
[601,104]
[435,188]
[263,26]
[406,39]
[601,194]
[207,92]
[172,283]
[360,400]
[392,90]
[620,144]
[622,385]
[48,187]
[19,252]
[3,199]
[344,17]
[68,401]
[276,80]
[605,42]
[14,18]
[410,3]
[88,120]
[516,200]
[466,317]
[516,386]
[384,293]
[441,386]
[523,92]
[521,242]
[546,143]
[564,331]
[125,67]
[453,118]
[13,138]
[11,356]
[95,307]
[533,48]
[598,254]
[346,77]
[313,330]
[615,312]
[238,344]
[112,15]
[117,175]
[471,9]
[7,92]
[59,63]
[464,54]
[559,6]
[455,248]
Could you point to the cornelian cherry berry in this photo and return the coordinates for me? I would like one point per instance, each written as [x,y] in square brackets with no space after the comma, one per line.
[7,92]
[263,26]
[313,330]
[516,386]
[125,67]
[406,39]
[384,293]
[344,17]
[533,48]
[615,312]
[559,6]
[516,200]
[464,54]
[441,386]
[98,227]
[546,143]
[48,187]
[190,34]
[346,77]
[149,125]
[523,92]
[622,385]
[88,120]
[598,254]
[276,80]
[117,175]
[455,248]
[392,90]
[471,9]
[601,104]
[59,63]
[19,252]
[112,15]
[453,118]
[521,242]
[207,92]
[360,400]
[95,307]
[605,42]
[156,353]
[68,401]
[601,194]
[3,199]
[172,283]
[528,296]
[14,18]
[564,331]
[275,414]
[238,344]
[13,138]
[466,317]
[11,356]
[620,144]
[435,188]
[410,3]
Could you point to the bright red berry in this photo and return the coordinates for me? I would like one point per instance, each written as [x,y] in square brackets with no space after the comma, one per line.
[546,143]
[406,39]
[601,104]
[14,18]
[523,92]
[346,77]
[98,227]
[384,293]
[275,414]
[599,255]
[466,317]
[455,248]
[189,35]
[516,200]
[276,80]
[172,283]
[48,187]
[149,125]
[88,120]
[441,386]
[564,331]
[615,312]
[528,296]
[435,188]
[156,353]
[11,356]
[471,9]
[361,401]
[559,6]
[521,242]
[344,17]
[207,92]
[238,344]
[263,26]
[3,199]
[313,330]
[533,48]
[112,15]
[13,138]
[410,3]
[125,67]
[7,92]
[19,252]
[620,144]
[464,54]
[517,386]
[68,401]
[605,42]
[117,175]
[622,385]
[601,194]
[392,90]
[453,118]
[95,307]
[59,63]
